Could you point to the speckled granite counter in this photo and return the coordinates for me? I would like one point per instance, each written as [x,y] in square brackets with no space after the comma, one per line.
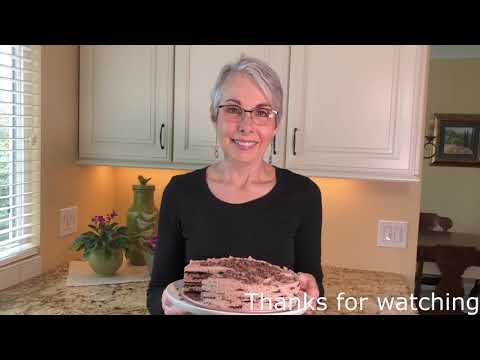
[48,295]
[371,285]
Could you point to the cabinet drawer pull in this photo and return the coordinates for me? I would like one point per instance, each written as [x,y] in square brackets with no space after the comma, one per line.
[294,141]
[161,132]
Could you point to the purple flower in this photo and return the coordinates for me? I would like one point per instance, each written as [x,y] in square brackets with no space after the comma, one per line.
[153,242]
[99,219]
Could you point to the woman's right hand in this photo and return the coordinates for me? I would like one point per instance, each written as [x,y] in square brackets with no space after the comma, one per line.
[169,308]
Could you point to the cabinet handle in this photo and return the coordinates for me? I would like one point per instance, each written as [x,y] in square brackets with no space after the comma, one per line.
[294,141]
[161,132]
[274,146]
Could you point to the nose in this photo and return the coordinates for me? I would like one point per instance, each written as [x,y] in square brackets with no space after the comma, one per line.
[245,123]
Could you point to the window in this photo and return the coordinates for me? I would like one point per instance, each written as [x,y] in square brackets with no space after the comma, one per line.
[19,151]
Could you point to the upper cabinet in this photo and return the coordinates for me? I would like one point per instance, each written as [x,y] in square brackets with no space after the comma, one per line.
[357,111]
[196,69]
[126,100]
[349,111]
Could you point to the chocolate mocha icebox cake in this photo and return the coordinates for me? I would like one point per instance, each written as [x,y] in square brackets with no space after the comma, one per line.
[223,284]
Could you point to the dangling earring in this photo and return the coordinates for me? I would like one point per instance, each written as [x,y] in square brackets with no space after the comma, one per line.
[216,146]
[270,157]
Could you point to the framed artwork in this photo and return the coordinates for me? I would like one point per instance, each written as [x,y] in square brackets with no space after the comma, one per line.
[457,140]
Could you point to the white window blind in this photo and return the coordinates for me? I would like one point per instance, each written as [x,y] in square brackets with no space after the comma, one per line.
[19,150]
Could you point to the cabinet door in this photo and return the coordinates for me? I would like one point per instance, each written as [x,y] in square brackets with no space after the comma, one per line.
[126,100]
[196,69]
[357,111]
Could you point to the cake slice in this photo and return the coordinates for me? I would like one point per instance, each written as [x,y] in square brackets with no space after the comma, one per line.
[231,284]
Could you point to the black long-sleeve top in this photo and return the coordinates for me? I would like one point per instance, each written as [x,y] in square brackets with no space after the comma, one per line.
[282,227]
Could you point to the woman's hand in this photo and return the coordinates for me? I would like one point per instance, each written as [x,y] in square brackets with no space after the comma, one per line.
[308,283]
[169,308]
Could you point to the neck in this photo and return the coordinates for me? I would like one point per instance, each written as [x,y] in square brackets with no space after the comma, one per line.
[241,174]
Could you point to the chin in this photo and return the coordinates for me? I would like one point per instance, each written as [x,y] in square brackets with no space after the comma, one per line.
[244,158]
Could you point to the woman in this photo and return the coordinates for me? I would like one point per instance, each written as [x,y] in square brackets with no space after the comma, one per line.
[240,206]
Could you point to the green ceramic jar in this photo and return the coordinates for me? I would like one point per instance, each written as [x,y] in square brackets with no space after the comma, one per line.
[149,259]
[141,221]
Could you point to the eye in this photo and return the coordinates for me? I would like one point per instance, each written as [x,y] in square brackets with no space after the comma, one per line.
[232,109]
[262,113]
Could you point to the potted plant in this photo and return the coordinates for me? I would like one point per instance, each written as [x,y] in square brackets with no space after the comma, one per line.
[103,246]
[149,252]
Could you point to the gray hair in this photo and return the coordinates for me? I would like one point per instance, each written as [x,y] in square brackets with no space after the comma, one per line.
[262,74]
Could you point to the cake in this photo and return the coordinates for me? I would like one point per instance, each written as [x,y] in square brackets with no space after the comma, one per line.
[230,284]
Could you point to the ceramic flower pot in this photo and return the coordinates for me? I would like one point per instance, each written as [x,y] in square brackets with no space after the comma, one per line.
[105,265]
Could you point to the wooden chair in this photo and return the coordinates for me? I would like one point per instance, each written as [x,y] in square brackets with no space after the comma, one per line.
[434,222]
[429,273]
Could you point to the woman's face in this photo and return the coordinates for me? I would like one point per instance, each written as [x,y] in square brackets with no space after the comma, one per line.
[244,140]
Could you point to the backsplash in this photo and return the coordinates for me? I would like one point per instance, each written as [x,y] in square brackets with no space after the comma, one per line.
[351,210]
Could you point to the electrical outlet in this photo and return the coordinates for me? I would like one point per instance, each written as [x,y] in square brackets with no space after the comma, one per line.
[68,221]
[392,234]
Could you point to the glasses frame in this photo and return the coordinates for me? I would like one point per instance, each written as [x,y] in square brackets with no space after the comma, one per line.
[273,113]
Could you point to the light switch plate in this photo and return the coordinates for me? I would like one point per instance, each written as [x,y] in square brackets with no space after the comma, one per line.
[392,234]
[68,221]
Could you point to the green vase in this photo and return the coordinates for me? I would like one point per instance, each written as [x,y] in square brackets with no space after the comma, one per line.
[141,222]
[103,264]
[149,261]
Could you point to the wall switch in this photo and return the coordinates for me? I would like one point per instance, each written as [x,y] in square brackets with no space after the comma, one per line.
[68,221]
[392,234]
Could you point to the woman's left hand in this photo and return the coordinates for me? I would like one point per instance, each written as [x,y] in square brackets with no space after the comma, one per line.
[308,283]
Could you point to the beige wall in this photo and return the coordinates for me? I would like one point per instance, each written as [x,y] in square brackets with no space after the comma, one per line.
[65,184]
[351,212]
[454,87]
[352,209]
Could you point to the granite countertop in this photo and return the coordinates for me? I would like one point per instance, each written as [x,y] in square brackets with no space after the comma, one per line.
[48,295]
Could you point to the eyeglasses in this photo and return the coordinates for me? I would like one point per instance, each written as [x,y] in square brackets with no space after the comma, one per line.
[260,115]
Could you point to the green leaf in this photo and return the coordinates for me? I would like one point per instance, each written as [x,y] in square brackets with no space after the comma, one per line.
[91,233]
[122,230]
[122,243]
[77,245]
[86,242]
[94,228]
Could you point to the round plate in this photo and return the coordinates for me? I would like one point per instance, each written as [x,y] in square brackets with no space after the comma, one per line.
[175,295]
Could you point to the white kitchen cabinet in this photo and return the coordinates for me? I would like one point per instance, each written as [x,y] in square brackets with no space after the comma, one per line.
[126,104]
[349,111]
[357,111]
[196,69]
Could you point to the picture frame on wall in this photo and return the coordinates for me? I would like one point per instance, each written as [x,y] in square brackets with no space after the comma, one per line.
[457,140]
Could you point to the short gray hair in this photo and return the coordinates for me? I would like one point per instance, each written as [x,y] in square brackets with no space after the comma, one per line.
[262,74]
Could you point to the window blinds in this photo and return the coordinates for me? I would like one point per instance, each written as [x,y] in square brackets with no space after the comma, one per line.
[20,102]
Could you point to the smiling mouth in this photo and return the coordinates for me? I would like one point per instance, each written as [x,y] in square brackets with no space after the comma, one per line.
[243,144]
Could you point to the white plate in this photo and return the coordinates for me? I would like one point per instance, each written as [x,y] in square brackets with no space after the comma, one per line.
[175,295]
